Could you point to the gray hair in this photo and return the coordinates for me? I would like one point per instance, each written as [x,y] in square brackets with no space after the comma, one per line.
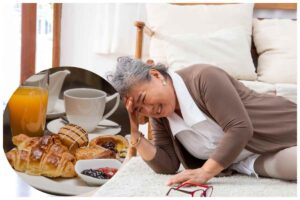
[130,72]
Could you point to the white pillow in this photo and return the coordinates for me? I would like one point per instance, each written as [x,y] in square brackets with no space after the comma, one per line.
[228,49]
[260,87]
[166,19]
[276,44]
[288,91]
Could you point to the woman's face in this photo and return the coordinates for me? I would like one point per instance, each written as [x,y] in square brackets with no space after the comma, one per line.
[153,98]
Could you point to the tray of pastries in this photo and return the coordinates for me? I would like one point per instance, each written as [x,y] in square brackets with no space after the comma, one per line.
[48,162]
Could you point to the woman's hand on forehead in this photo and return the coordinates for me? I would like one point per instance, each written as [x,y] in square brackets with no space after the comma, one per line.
[133,116]
[128,101]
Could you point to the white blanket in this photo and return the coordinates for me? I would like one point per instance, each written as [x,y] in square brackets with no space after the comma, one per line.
[137,179]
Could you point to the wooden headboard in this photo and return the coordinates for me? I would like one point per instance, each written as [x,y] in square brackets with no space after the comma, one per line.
[142,28]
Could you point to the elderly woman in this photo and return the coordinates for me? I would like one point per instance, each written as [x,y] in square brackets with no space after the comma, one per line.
[203,118]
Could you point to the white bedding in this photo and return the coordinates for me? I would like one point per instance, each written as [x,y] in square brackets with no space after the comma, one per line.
[260,87]
[286,90]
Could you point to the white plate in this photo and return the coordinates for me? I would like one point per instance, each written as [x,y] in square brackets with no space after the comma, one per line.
[95,164]
[56,124]
[59,110]
[59,186]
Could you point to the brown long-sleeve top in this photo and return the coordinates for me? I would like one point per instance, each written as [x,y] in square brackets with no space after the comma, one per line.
[261,123]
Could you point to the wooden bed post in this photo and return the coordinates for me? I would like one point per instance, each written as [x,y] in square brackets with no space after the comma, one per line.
[57,7]
[28,40]
[139,39]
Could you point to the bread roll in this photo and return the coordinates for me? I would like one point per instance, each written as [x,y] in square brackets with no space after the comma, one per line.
[73,136]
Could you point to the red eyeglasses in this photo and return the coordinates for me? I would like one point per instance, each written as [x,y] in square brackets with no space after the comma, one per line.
[201,191]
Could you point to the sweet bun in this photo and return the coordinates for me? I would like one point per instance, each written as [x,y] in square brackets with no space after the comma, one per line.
[94,152]
[116,143]
[73,136]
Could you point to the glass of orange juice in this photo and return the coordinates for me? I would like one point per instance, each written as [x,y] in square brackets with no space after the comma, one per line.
[28,107]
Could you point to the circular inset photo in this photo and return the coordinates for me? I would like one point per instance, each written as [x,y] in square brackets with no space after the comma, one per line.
[64,131]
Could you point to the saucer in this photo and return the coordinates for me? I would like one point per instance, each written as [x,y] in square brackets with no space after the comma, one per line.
[59,109]
[56,124]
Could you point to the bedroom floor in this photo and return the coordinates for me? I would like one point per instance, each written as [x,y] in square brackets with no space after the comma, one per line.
[137,179]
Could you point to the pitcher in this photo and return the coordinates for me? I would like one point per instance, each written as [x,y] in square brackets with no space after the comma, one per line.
[28,106]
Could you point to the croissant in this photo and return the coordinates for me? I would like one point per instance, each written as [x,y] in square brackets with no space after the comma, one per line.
[45,156]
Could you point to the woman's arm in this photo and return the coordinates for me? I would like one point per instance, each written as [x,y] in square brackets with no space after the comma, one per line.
[145,149]
[160,155]
[143,146]
[165,160]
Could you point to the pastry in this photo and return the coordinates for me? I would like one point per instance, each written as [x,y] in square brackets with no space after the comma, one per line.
[116,143]
[45,156]
[94,152]
[73,136]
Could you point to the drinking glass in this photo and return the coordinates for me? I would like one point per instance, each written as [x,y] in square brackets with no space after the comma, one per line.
[28,106]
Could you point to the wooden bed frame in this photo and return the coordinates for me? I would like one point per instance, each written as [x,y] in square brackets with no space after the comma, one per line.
[141,28]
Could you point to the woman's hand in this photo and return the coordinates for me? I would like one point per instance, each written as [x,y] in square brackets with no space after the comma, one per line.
[199,176]
[133,115]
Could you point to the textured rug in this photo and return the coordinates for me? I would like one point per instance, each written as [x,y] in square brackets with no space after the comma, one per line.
[137,179]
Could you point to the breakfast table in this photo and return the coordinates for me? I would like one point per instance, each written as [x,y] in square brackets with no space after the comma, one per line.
[28,185]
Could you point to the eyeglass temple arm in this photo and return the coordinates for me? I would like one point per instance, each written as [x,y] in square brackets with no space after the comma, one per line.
[187,192]
[194,184]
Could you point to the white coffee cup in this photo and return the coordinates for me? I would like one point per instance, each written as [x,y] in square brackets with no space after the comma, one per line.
[85,106]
